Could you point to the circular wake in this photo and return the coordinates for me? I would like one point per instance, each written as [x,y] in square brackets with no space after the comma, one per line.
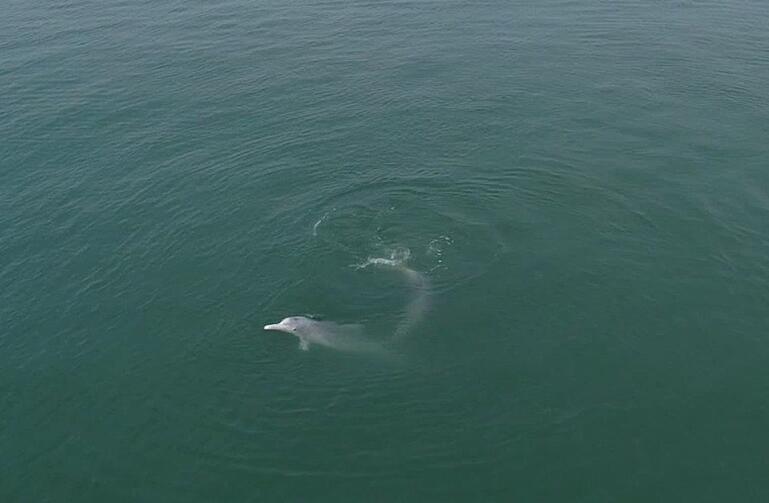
[433,238]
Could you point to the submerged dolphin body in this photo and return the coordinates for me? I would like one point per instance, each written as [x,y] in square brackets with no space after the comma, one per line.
[419,303]
[326,333]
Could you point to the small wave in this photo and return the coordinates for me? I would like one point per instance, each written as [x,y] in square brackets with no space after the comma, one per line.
[320,221]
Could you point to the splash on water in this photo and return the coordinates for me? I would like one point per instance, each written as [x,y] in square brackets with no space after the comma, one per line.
[397,258]
[437,246]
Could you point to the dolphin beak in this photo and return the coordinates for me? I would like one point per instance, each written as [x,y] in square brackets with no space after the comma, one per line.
[275,326]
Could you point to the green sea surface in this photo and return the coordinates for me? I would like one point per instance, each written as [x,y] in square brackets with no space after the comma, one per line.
[579,187]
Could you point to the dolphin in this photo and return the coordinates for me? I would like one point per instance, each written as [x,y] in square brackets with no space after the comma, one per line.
[326,333]
[350,338]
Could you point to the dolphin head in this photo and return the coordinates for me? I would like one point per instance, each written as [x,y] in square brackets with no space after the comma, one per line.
[289,325]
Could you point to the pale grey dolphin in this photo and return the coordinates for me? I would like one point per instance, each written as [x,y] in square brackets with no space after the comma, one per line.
[326,333]
[350,337]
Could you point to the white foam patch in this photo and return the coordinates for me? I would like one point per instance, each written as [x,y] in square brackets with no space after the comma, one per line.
[397,258]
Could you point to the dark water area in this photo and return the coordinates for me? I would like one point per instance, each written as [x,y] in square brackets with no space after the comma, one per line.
[573,198]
